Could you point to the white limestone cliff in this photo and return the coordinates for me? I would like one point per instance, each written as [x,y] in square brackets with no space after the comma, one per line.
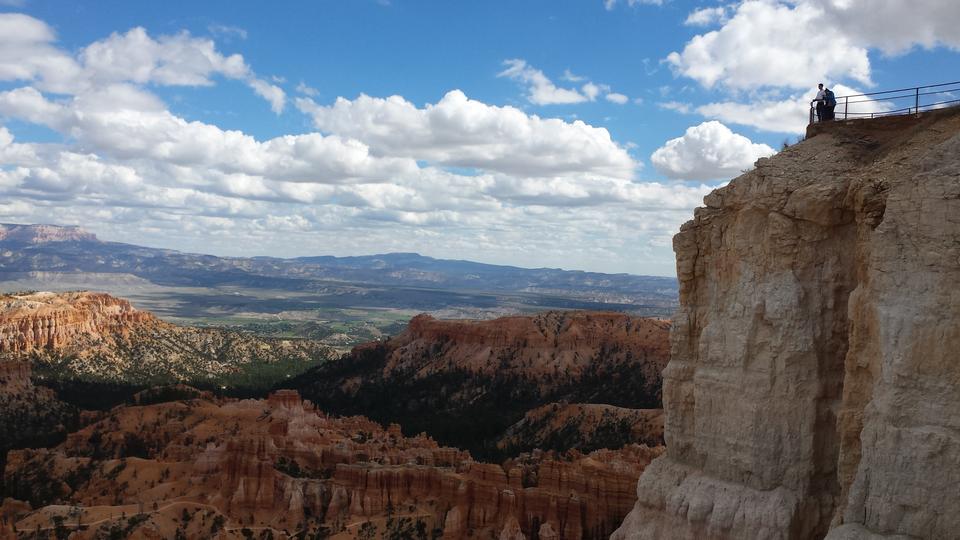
[814,385]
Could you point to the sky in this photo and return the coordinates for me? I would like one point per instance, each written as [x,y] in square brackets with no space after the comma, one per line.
[577,134]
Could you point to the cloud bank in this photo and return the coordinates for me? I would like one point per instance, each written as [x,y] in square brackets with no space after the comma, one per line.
[456,178]
[768,55]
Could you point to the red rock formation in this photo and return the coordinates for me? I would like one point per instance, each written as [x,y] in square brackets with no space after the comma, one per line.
[551,341]
[466,382]
[96,336]
[51,321]
[280,464]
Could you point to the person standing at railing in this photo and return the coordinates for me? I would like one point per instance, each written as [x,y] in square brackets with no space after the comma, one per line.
[819,100]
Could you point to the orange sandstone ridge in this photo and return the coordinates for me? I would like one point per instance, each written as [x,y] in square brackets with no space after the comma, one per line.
[45,320]
[206,468]
[466,382]
[98,337]
[565,341]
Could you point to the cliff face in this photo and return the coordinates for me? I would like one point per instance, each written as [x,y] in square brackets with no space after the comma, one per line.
[812,389]
[101,338]
[279,464]
[46,320]
[534,345]
[465,382]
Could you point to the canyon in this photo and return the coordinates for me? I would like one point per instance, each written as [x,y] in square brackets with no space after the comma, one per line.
[812,389]
[808,382]
[48,321]
[178,462]
[225,468]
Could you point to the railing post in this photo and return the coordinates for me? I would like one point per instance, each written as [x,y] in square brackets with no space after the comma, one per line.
[917,102]
[846,103]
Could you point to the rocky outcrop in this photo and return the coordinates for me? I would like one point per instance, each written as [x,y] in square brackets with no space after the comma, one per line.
[584,426]
[281,465]
[465,382]
[534,347]
[98,337]
[49,321]
[812,388]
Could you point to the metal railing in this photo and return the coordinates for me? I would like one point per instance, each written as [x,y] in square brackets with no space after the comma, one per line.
[891,102]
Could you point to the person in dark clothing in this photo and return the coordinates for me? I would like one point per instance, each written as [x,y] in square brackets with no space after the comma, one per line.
[829,103]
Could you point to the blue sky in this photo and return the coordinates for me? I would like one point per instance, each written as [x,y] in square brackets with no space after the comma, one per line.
[572,134]
[419,50]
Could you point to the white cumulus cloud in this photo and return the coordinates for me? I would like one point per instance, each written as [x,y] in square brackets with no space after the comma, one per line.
[542,91]
[677,106]
[770,44]
[706,16]
[28,53]
[795,44]
[619,99]
[458,131]
[894,26]
[708,151]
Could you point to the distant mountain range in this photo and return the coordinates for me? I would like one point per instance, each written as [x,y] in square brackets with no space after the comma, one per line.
[201,289]
[50,248]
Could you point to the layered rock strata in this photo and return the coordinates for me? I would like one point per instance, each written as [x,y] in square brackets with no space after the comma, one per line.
[812,389]
[44,320]
[534,347]
[282,466]
[98,337]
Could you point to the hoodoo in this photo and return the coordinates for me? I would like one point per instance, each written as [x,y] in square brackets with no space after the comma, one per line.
[812,388]
[279,464]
